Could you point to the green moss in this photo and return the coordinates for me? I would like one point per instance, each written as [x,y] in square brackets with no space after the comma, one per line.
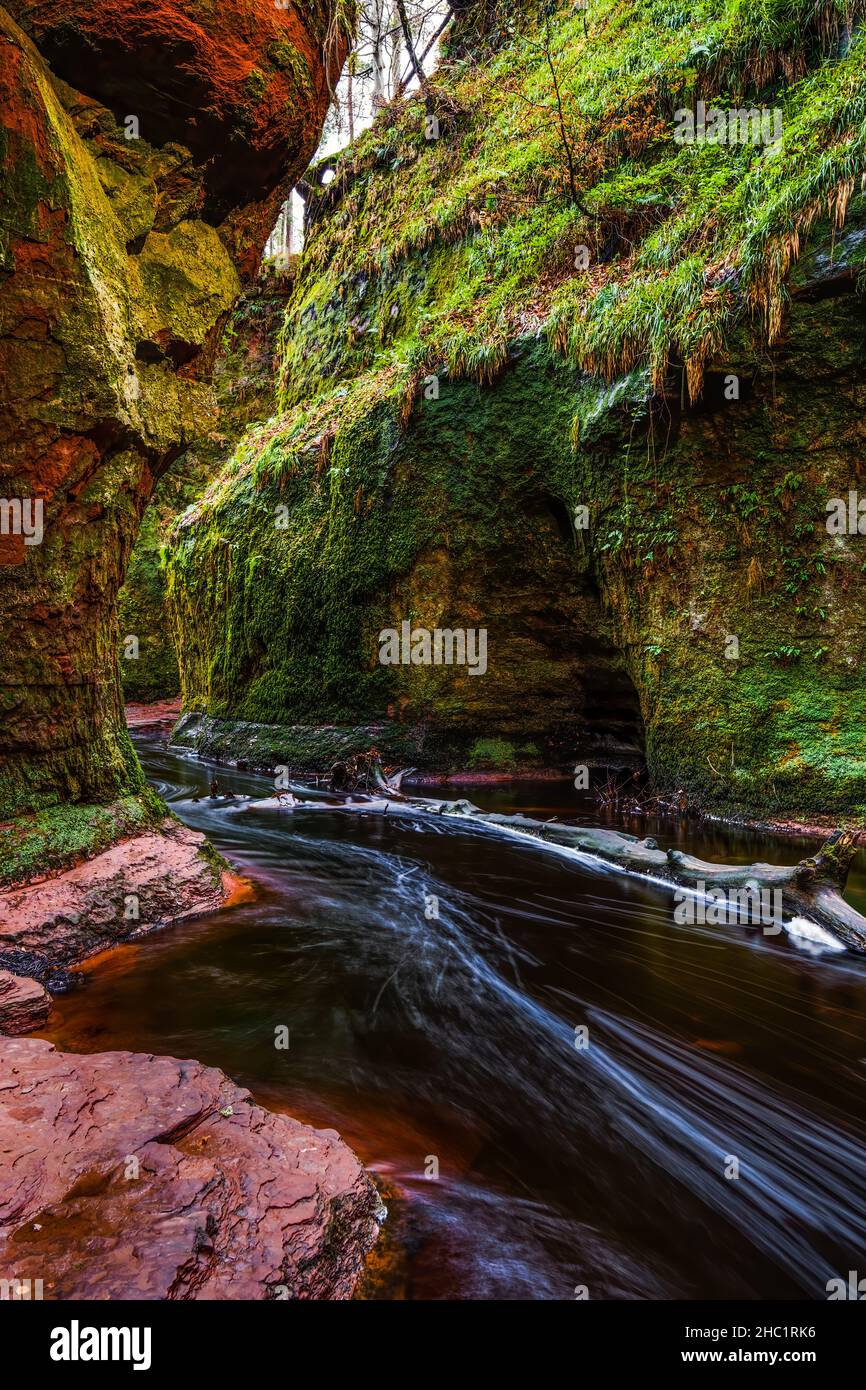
[243,384]
[561,388]
[133,198]
[301,748]
[190,280]
[280,624]
[255,85]
[153,674]
[494,753]
[65,835]
[473,234]
[290,61]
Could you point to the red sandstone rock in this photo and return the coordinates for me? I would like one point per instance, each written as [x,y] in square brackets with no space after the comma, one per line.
[122,253]
[160,714]
[155,878]
[244,85]
[127,1176]
[24,1004]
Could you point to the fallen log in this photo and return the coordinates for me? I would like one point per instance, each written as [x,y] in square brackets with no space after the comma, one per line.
[391,786]
[811,890]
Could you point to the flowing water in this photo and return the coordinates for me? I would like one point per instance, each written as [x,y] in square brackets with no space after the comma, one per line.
[446,1044]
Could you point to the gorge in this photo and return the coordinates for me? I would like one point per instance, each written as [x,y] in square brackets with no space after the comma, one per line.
[550,370]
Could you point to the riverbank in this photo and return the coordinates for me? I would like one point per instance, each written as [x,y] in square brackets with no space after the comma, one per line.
[218,1197]
[216,989]
[164,875]
[76,880]
[310,752]
[158,715]
[442,1047]
[126,1175]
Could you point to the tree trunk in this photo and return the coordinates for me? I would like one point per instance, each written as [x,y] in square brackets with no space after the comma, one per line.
[350,98]
[811,889]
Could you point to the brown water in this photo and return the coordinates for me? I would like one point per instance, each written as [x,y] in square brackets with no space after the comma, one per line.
[449,1040]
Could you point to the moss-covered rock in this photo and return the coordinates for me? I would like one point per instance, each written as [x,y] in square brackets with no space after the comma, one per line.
[132,212]
[65,835]
[459,522]
[243,383]
[582,385]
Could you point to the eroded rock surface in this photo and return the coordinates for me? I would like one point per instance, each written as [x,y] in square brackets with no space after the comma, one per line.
[128,1176]
[144,152]
[144,882]
[24,1004]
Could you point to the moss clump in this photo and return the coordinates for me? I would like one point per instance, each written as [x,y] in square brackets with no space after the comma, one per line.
[494,753]
[65,835]
[255,85]
[289,60]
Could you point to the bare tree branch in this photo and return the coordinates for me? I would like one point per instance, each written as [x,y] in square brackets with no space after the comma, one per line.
[410,44]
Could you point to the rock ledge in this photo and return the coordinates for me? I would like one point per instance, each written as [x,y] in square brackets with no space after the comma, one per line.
[128,1176]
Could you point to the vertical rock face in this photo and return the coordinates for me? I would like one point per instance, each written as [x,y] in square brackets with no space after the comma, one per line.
[585,384]
[458,522]
[243,378]
[132,212]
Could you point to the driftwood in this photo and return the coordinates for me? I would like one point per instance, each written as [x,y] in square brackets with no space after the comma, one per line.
[362,772]
[811,890]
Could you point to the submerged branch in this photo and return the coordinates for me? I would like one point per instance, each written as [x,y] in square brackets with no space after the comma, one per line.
[811,889]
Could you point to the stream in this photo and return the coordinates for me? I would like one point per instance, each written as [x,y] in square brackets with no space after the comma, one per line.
[431,974]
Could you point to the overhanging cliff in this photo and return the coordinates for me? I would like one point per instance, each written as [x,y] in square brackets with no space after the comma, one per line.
[133,211]
[553,371]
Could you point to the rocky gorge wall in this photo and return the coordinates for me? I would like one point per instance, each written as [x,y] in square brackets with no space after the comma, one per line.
[144,151]
[133,213]
[459,521]
[584,386]
[242,382]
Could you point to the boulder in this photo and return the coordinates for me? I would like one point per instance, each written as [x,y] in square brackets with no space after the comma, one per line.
[24,1004]
[127,1176]
[157,877]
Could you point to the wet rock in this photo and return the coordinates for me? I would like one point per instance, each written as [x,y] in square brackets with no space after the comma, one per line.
[129,1176]
[24,1004]
[154,878]
[60,981]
